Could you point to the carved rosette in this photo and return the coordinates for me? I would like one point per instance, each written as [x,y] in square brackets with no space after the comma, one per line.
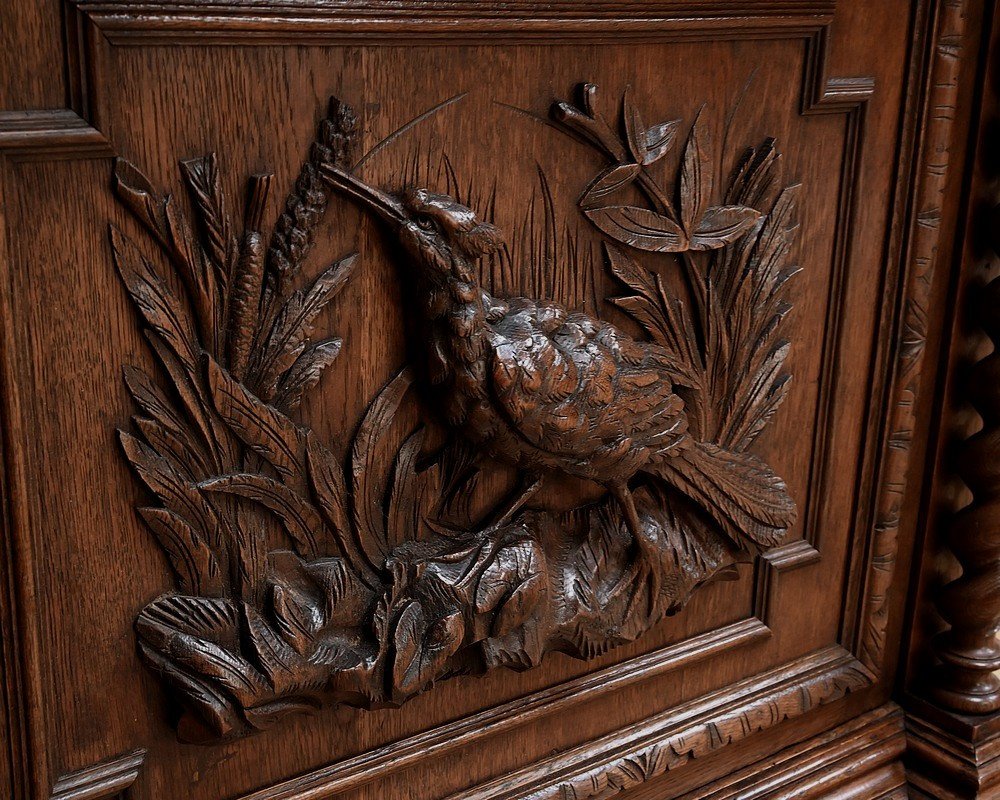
[384,584]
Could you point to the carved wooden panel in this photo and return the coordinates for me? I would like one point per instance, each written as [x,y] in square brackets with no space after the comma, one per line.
[466,399]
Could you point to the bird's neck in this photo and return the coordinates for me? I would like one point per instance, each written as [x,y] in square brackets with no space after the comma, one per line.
[454,318]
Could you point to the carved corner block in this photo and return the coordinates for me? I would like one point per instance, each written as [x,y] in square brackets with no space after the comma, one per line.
[384,584]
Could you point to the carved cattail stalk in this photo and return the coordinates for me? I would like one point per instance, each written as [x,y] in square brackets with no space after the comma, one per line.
[966,680]
[248,279]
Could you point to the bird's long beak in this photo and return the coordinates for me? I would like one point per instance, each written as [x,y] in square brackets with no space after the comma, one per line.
[370,197]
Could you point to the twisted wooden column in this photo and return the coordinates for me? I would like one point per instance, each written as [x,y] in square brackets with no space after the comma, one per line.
[967,680]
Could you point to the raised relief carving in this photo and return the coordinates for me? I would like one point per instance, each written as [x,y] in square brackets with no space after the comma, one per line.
[385,581]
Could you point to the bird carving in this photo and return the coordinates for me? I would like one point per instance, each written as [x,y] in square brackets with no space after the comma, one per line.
[547,390]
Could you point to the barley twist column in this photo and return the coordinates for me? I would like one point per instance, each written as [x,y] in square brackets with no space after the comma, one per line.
[967,681]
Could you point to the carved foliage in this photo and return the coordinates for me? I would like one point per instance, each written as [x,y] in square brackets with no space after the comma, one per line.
[310,574]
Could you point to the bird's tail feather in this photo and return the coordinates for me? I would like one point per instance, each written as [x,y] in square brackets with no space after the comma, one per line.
[738,490]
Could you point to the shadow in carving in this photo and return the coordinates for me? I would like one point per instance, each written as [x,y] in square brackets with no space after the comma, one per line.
[385,584]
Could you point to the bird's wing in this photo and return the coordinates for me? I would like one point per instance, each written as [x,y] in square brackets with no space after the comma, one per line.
[575,386]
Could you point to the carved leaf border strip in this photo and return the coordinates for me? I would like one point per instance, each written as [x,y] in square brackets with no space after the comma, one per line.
[370,600]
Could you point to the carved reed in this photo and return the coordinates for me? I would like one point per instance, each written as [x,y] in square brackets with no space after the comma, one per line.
[967,681]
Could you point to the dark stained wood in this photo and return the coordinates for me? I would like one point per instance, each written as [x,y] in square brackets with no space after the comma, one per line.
[335,465]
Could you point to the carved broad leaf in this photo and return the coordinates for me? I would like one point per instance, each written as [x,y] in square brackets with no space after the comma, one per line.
[358,572]
[639,228]
[613,179]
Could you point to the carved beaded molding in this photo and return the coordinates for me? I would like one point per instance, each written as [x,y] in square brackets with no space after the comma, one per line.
[385,581]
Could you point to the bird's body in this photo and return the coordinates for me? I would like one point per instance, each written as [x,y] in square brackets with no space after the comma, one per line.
[542,388]
[547,390]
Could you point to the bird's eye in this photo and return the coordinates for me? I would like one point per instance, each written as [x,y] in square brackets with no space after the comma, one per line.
[426,224]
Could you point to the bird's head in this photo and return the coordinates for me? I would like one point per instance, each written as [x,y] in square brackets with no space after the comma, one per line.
[443,236]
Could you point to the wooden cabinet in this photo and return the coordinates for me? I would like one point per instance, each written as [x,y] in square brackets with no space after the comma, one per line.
[490,400]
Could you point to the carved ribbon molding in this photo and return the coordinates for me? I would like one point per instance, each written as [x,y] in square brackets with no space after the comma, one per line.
[384,585]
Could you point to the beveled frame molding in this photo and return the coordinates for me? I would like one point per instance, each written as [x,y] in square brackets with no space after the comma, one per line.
[68,134]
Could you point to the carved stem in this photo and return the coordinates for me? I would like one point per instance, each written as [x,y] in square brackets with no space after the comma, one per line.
[966,680]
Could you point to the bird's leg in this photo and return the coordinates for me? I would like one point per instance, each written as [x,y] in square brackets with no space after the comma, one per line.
[528,486]
[623,495]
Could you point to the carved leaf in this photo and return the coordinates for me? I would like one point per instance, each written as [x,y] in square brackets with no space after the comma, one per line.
[262,428]
[611,180]
[369,481]
[158,627]
[193,562]
[635,128]
[696,179]
[168,226]
[294,322]
[721,225]
[423,647]
[639,228]
[405,511]
[135,190]
[300,519]
[202,175]
[306,371]
[326,478]
[195,404]
[176,437]
[628,271]
[659,139]
[177,494]
[162,310]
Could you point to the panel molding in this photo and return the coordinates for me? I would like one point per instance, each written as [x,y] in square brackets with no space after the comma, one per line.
[50,135]
[126,22]
[858,760]
[101,781]
[695,730]
[919,242]
[437,742]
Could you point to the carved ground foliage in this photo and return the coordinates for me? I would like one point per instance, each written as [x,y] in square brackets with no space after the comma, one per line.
[382,584]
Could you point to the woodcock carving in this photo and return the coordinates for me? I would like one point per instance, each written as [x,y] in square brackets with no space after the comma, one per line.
[387,582]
